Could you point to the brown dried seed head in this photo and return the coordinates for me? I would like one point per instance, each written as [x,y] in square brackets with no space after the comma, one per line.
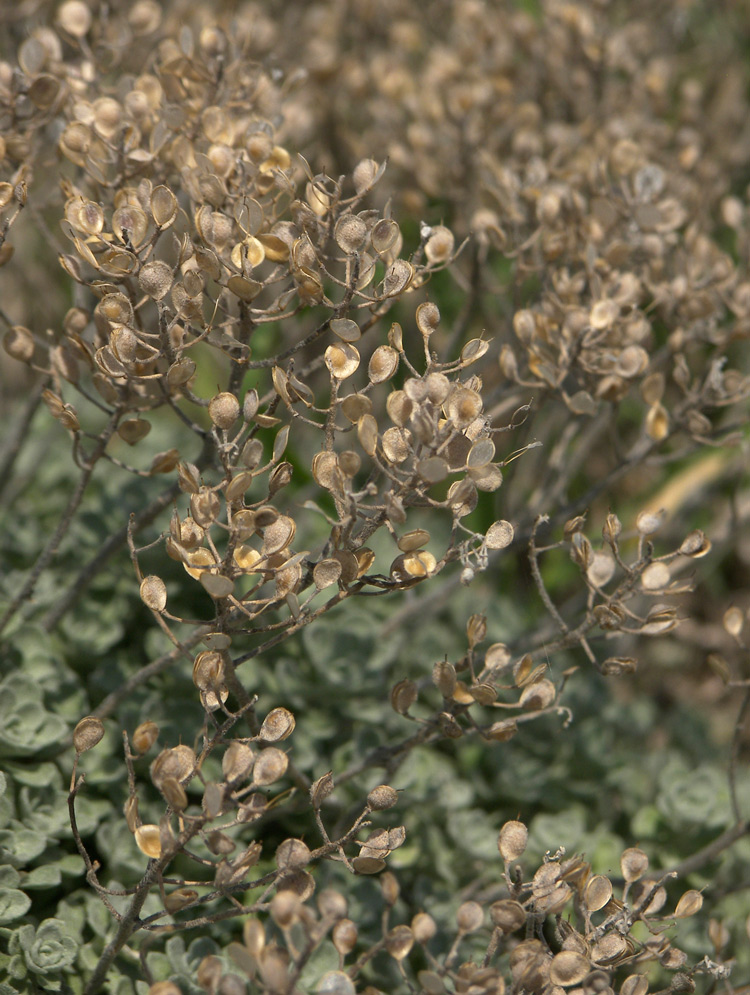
[569,968]
[148,841]
[689,904]
[277,725]
[154,593]
[403,696]
[87,733]
[270,765]
[399,942]
[423,927]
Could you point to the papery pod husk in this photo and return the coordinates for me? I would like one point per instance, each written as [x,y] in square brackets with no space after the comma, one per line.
[538,696]
[174,794]
[178,762]
[609,949]
[469,917]
[483,693]
[382,797]
[365,559]
[326,572]
[300,882]
[399,407]
[213,799]
[348,331]
[367,432]
[344,936]
[449,726]
[635,984]
[424,927]
[397,445]
[355,405]
[689,904]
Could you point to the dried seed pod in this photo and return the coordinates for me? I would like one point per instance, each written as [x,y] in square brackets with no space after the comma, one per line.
[512,840]
[224,410]
[469,917]
[383,364]
[321,789]
[178,762]
[499,535]
[180,898]
[277,725]
[148,841]
[342,360]
[633,863]
[439,246]
[154,593]
[144,737]
[568,968]
[444,678]
[382,797]
[292,854]
[270,765]
[399,942]
[508,915]
[598,892]
[285,908]
[87,733]
[689,904]
[403,696]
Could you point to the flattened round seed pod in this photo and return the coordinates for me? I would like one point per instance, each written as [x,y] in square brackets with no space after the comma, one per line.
[383,364]
[155,279]
[537,696]
[130,224]
[403,696]
[382,797]
[237,761]
[144,737]
[163,206]
[154,593]
[499,535]
[325,470]
[174,794]
[18,342]
[292,854]
[399,407]
[132,430]
[568,968]
[636,984]
[384,235]
[655,577]
[657,422]
[356,405]
[178,762]
[462,497]
[463,406]
[247,290]
[238,486]
[181,372]
[346,329]
[420,563]
[224,410]
[396,444]
[649,522]
[399,942]
[198,561]
[270,765]
[473,351]
[457,450]
[439,246]
[349,565]
[512,840]
[601,569]
[633,863]
[350,233]
[326,572]
[690,903]
[397,277]
[508,915]
[480,454]
[217,585]
[598,892]
[469,917]
[277,725]
[367,432]
[349,463]
[415,539]
[342,360]
[87,733]
[278,535]
[695,544]
[336,982]
[148,840]
[428,318]
[609,949]
[502,731]
[432,469]
[484,694]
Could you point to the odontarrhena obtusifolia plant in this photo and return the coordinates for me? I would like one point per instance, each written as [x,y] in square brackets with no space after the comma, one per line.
[333,436]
